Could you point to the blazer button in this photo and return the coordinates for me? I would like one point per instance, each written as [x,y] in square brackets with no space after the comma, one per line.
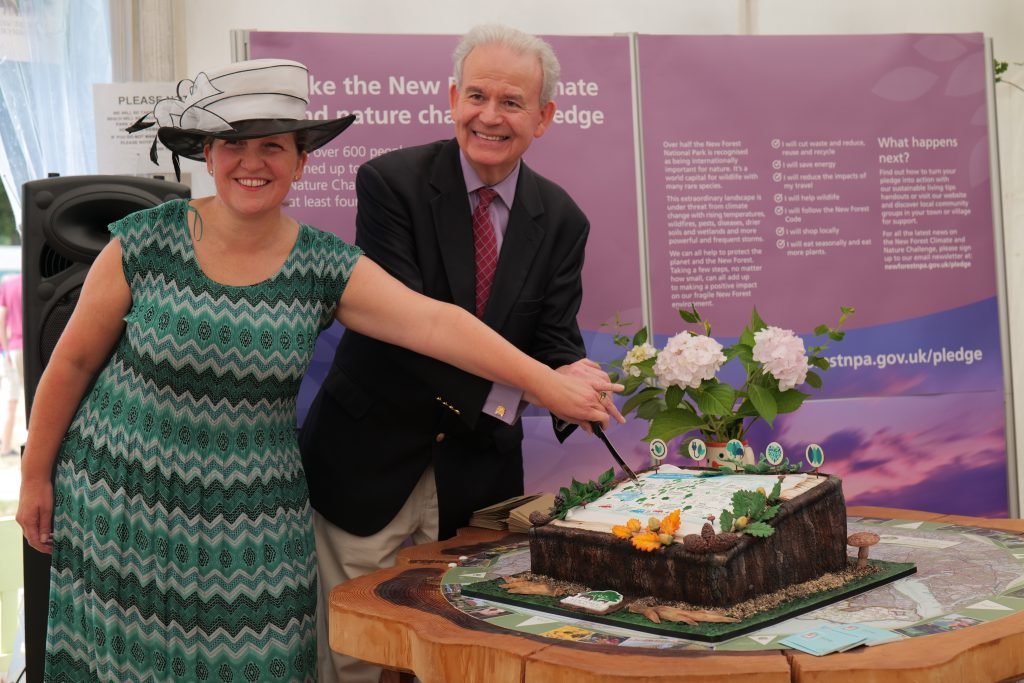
[440,437]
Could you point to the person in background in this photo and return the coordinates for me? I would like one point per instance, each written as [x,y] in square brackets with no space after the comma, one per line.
[179,522]
[464,221]
[13,360]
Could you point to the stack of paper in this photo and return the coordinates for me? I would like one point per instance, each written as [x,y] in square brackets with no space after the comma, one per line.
[519,517]
[838,638]
[512,514]
[496,516]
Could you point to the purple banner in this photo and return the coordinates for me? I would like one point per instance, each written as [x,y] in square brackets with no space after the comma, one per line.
[800,173]
[794,173]
[397,86]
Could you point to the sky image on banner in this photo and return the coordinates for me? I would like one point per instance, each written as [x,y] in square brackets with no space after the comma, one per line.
[801,173]
[397,86]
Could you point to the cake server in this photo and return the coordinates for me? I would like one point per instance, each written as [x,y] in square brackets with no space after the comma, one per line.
[596,426]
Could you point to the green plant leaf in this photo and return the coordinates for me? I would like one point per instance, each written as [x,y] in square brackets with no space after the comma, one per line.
[759,529]
[741,502]
[814,379]
[836,335]
[747,337]
[673,422]
[819,362]
[607,477]
[776,490]
[725,521]
[673,396]
[788,401]
[650,409]
[640,337]
[757,503]
[746,409]
[631,384]
[715,399]
[768,513]
[755,321]
[764,402]
[821,329]
[691,316]
[650,393]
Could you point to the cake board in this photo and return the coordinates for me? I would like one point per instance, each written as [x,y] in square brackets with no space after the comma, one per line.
[703,632]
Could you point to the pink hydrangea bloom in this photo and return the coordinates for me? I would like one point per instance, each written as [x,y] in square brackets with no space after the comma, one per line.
[782,354]
[687,360]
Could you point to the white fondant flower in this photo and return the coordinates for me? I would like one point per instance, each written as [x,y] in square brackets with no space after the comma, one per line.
[782,354]
[638,354]
[687,360]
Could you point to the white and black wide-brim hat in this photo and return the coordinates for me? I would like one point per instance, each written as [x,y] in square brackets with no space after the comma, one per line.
[250,99]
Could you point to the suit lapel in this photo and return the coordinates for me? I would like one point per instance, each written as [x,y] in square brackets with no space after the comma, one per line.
[454,226]
[523,238]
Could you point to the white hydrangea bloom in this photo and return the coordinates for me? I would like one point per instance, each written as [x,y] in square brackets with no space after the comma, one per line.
[638,354]
[687,360]
[782,354]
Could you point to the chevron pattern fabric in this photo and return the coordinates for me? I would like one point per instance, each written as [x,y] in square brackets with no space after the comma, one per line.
[183,542]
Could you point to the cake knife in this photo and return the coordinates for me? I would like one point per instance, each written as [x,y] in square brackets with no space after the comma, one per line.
[596,426]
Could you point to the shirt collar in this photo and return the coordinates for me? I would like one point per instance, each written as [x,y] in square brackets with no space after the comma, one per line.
[506,188]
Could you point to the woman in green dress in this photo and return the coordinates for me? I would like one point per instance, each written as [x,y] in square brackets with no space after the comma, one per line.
[179,522]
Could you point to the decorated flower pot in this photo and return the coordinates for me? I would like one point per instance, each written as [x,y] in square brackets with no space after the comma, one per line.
[725,454]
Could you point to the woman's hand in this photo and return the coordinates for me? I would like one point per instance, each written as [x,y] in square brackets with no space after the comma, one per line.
[35,513]
[578,395]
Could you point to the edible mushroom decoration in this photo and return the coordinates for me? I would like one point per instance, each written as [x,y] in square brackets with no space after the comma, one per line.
[862,540]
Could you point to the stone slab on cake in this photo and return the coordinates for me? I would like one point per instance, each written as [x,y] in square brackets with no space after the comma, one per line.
[809,540]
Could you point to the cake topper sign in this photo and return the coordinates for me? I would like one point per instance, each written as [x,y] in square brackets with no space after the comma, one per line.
[773,453]
[697,449]
[815,456]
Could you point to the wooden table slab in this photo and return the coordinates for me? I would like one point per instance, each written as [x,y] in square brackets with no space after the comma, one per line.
[398,618]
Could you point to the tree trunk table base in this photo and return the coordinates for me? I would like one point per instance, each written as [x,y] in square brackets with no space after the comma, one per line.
[398,618]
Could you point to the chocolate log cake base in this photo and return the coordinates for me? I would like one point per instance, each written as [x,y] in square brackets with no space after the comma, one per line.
[809,540]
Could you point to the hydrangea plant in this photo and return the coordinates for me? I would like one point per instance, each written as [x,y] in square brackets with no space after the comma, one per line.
[678,391]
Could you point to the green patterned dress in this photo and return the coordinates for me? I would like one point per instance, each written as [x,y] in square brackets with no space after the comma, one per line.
[183,543]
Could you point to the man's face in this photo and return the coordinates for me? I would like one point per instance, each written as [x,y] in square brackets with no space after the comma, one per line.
[497,112]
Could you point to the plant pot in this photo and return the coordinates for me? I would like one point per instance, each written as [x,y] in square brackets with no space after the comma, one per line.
[718,454]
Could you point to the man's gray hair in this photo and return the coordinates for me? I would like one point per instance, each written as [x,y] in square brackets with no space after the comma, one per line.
[517,41]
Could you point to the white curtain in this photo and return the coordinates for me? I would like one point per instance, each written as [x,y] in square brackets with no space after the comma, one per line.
[51,53]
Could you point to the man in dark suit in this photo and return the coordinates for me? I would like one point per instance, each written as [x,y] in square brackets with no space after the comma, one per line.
[397,445]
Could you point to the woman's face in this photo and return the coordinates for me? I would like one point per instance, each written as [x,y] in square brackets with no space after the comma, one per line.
[254,176]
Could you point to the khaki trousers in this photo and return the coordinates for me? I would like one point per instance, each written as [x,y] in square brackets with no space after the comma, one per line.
[343,556]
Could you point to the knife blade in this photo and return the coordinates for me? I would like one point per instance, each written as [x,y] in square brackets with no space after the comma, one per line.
[596,426]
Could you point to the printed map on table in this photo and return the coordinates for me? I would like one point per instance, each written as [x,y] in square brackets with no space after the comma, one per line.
[966,575]
[694,493]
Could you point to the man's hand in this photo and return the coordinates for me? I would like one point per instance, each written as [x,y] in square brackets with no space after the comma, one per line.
[591,372]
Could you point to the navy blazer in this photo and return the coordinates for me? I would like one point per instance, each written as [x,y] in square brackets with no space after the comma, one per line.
[383,414]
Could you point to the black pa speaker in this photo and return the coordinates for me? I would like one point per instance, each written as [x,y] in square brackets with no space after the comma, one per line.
[64,228]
